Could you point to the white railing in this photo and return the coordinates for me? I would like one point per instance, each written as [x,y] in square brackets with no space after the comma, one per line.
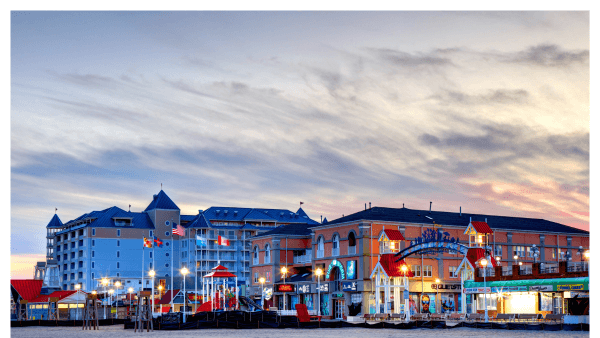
[254,261]
[351,250]
[335,252]
[320,253]
[267,259]
[301,259]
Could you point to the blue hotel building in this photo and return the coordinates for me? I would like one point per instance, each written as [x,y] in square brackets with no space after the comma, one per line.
[109,244]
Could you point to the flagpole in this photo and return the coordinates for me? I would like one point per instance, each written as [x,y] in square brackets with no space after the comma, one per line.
[196,272]
[143,265]
[172,287]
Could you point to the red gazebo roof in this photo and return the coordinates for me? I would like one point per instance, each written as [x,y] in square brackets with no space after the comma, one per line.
[219,267]
[28,289]
[219,274]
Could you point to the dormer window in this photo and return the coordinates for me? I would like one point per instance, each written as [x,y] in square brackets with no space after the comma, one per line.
[389,241]
[123,222]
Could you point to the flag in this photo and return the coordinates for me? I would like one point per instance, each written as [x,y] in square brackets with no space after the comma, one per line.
[301,203]
[158,242]
[178,229]
[200,241]
[147,243]
[223,241]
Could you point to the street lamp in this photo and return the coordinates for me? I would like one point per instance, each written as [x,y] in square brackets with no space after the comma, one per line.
[262,291]
[77,287]
[130,290]
[498,260]
[284,271]
[111,291]
[151,273]
[319,272]
[586,254]
[484,263]
[104,283]
[535,250]
[184,272]
[118,285]
[437,281]
[404,269]
[516,258]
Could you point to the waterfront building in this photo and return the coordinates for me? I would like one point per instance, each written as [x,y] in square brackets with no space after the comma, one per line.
[349,250]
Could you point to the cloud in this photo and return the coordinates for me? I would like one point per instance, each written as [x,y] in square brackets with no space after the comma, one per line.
[549,56]
[403,59]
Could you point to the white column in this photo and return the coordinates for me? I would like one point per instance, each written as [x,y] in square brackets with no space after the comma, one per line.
[463,299]
[407,301]
[377,293]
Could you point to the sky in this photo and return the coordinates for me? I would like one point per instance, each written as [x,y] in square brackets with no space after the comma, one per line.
[484,111]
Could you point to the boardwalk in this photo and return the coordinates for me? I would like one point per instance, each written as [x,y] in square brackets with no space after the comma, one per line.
[117,331]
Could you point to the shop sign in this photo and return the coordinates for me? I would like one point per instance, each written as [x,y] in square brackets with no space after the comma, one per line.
[349,286]
[509,288]
[267,293]
[477,290]
[324,287]
[335,263]
[569,287]
[541,288]
[441,287]
[284,288]
[431,242]
[337,295]
[303,288]
[351,269]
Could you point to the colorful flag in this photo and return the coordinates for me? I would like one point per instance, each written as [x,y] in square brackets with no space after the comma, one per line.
[178,229]
[147,243]
[200,241]
[158,242]
[223,241]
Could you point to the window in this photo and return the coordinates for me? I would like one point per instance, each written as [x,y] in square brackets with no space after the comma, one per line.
[267,254]
[151,267]
[268,277]
[93,265]
[255,259]
[166,233]
[65,267]
[519,250]
[65,277]
[72,255]
[118,232]
[65,257]
[320,248]
[94,232]
[80,275]
[416,270]
[166,265]
[58,248]
[81,242]
[256,277]
[452,271]
[58,258]
[498,250]
[336,245]
[72,245]
[80,253]
[167,243]
[167,254]
[151,233]
[93,242]
[118,242]
[427,271]
[231,234]
[118,254]
[553,253]
[118,274]
[118,265]
[150,254]
[92,275]
[491,301]
[80,264]
[65,246]
[93,253]
[351,243]
[72,275]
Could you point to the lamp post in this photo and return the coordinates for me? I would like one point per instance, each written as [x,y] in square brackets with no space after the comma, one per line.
[117,285]
[110,292]
[104,283]
[535,250]
[152,273]
[437,281]
[77,287]
[516,258]
[283,273]
[404,269]
[262,291]
[484,263]
[184,272]
[319,272]
[130,290]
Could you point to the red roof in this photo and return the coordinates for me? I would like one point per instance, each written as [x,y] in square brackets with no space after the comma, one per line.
[28,289]
[165,309]
[475,254]
[60,294]
[220,274]
[482,227]
[219,267]
[393,235]
[393,268]
[166,298]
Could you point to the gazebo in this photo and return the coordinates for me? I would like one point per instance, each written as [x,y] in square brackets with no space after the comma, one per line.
[220,272]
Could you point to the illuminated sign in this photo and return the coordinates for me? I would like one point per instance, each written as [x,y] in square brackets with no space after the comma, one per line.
[445,286]
[431,242]
[541,288]
[569,287]
[335,263]
[323,287]
[351,269]
[349,286]
[284,288]
[303,288]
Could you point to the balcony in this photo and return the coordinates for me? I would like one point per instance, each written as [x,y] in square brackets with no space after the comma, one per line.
[320,253]
[302,259]
[489,272]
[525,270]
[255,261]
[352,250]
[335,252]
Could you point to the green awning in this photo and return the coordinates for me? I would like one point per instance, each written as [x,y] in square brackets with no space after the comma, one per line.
[552,284]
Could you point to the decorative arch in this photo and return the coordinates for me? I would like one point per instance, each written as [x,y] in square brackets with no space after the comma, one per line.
[267,253]
[351,238]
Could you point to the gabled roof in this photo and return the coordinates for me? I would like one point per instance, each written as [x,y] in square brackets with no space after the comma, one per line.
[255,214]
[187,218]
[472,259]
[60,294]
[289,229]
[106,218]
[479,227]
[166,298]
[161,201]
[198,222]
[219,267]
[392,235]
[28,289]
[219,274]
[325,220]
[55,222]
[456,219]
[391,268]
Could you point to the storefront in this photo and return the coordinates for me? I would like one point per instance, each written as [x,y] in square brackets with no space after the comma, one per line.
[435,297]
[529,296]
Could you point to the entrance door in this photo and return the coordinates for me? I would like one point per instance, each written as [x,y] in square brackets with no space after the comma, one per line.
[338,309]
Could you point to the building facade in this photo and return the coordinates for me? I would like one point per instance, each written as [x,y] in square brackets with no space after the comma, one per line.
[347,251]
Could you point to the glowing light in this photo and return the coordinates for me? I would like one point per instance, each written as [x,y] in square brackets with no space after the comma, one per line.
[319,272]
[483,262]
[262,280]
[284,270]
[184,271]
[151,273]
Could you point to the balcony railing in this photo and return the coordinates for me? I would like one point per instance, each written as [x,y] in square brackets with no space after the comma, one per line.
[320,253]
[302,259]
[489,272]
[506,270]
[577,267]
[335,252]
[351,250]
[525,270]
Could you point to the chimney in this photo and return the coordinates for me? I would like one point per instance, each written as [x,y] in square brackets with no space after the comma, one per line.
[486,219]
[321,218]
[365,206]
[460,211]
[470,219]
[430,207]
[199,211]
[369,205]
[402,205]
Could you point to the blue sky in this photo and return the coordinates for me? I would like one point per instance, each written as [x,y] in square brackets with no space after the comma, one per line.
[484,110]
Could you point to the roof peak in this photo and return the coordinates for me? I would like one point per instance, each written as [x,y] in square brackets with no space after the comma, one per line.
[161,201]
[55,222]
